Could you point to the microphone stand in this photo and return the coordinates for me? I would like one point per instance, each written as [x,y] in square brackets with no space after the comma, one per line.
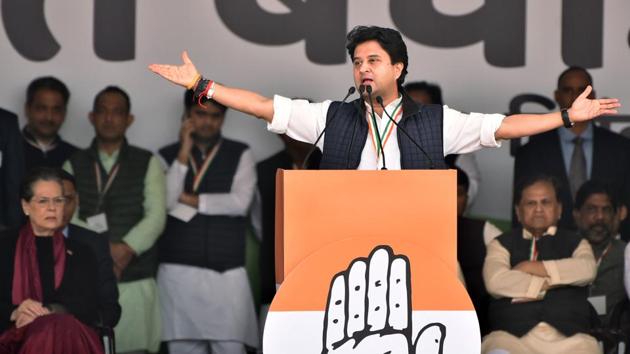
[368,88]
[379,99]
[351,90]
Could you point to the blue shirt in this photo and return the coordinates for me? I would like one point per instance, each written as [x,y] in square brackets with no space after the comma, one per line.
[567,146]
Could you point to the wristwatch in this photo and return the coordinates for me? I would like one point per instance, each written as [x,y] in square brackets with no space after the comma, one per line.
[565,119]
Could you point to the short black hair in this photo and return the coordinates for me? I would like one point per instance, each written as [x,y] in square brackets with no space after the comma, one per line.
[390,40]
[571,69]
[66,176]
[38,174]
[433,90]
[530,180]
[591,187]
[112,89]
[47,83]
[189,102]
[462,179]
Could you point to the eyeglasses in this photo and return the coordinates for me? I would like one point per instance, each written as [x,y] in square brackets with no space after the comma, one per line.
[43,202]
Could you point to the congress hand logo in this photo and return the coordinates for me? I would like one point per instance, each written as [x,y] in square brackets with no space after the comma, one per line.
[369,310]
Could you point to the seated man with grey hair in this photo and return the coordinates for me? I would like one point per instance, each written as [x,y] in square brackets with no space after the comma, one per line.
[538,276]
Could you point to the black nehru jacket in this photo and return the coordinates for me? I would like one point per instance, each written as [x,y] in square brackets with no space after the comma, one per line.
[347,131]
[208,241]
[35,157]
[565,308]
[471,253]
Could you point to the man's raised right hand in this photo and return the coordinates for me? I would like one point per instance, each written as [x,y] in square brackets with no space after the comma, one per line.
[184,75]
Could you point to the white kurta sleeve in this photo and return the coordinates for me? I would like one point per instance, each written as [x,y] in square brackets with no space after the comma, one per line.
[238,200]
[299,119]
[468,132]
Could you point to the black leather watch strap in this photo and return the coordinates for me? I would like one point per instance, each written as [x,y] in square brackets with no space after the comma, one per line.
[565,119]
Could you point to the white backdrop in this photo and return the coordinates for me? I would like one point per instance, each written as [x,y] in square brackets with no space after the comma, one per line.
[165,28]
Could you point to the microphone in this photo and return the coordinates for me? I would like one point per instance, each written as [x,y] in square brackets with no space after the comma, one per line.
[379,99]
[368,88]
[351,91]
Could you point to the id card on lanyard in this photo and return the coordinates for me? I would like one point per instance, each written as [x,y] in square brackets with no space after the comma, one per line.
[200,173]
[185,212]
[98,222]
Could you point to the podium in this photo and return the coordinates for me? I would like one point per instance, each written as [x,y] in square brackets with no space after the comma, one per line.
[343,238]
[316,208]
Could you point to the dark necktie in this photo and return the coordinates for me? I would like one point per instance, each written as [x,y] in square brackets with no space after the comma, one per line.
[577,168]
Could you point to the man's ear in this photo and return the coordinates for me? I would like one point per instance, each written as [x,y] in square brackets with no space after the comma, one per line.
[622,213]
[556,96]
[130,120]
[576,215]
[398,68]
[517,212]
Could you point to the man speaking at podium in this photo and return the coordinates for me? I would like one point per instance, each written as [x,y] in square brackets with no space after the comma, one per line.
[384,129]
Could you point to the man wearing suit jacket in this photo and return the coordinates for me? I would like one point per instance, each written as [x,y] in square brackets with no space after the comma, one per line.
[108,307]
[11,170]
[604,155]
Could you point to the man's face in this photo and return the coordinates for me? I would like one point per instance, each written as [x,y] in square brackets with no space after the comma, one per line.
[538,208]
[595,219]
[373,66]
[420,96]
[110,117]
[571,86]
[207,122]
[71,202]
[46,113]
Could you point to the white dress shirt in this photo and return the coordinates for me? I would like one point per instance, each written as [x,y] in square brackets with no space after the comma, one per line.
[234,203]
[462,132]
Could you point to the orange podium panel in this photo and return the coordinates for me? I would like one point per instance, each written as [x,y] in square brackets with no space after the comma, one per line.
[317,208]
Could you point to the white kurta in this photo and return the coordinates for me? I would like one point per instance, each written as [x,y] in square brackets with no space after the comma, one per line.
[462,132]
[203,304]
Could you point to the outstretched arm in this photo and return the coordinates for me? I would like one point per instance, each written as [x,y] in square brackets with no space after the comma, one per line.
[245,101]
[583,109]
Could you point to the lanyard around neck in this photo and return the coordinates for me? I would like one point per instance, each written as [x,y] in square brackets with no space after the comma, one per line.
[389,127]
[200,173]
[601,257]
[111,176]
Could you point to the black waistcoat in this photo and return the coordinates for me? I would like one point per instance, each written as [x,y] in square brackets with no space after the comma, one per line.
[347,133]
[471,252]
[124,202]
[209,241]
[565,308]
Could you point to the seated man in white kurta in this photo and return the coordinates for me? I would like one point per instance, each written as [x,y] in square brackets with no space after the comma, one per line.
[206,300]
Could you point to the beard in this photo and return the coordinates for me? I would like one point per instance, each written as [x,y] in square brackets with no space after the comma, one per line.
[597,233]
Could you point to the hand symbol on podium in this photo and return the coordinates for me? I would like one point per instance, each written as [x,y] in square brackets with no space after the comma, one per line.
[369,310]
